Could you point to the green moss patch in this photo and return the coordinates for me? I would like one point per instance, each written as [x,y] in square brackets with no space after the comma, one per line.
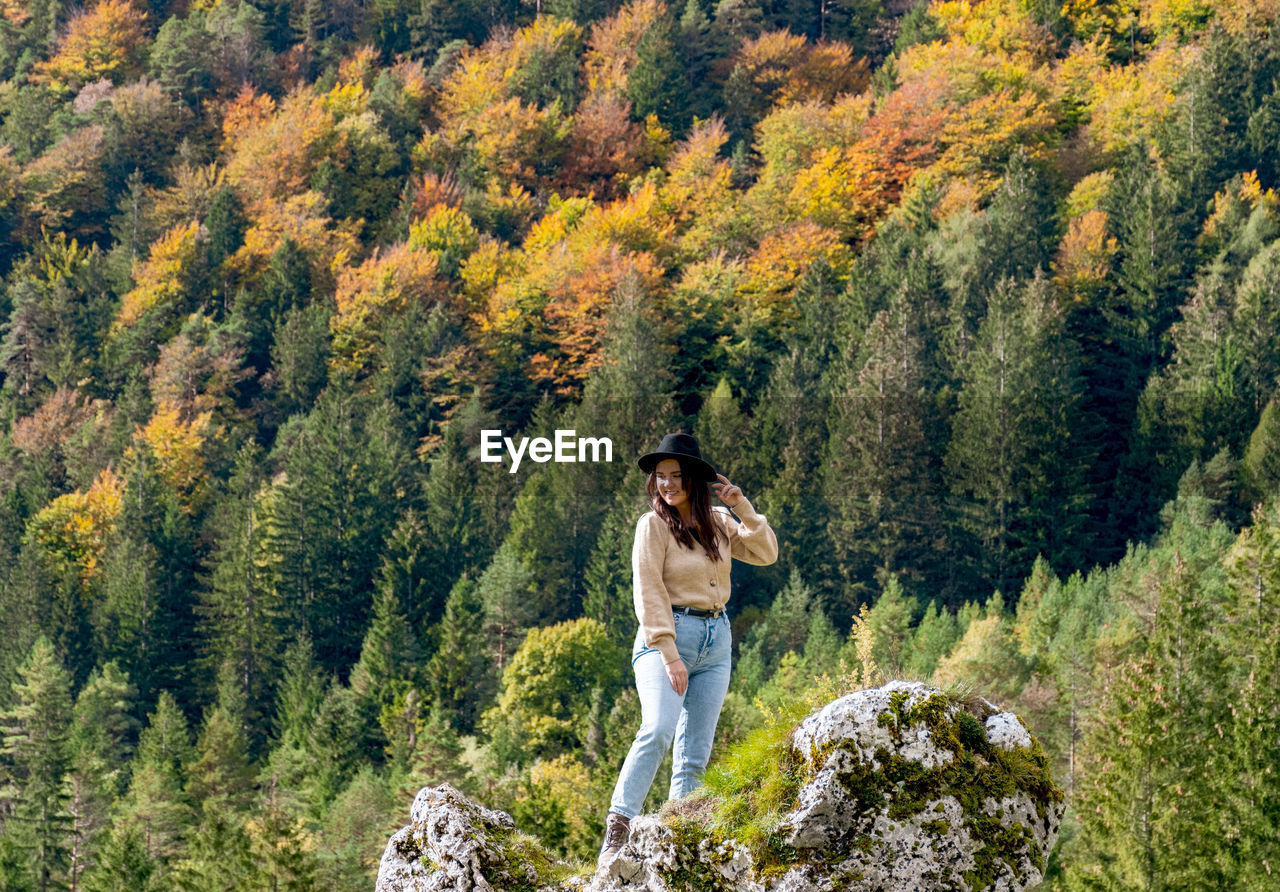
[750,789]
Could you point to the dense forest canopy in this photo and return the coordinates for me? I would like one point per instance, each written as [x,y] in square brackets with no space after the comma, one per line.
[977,301]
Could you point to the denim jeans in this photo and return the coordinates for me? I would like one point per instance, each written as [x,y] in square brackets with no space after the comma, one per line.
[705,648]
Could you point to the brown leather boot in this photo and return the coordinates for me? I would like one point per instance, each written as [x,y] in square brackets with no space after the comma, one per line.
[616,829]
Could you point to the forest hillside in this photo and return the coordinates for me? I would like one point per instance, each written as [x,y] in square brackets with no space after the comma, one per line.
[976,301]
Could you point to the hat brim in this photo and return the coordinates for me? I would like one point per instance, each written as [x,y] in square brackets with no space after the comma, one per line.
[649,461]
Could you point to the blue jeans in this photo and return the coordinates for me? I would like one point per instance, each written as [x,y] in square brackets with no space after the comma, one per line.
[705,648]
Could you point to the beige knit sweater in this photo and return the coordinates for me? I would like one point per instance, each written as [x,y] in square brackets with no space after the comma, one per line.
[666,575]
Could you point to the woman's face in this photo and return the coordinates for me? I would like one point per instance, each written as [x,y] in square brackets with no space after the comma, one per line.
[670,483]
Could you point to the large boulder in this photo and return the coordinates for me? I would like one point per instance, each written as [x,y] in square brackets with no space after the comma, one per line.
[892,789]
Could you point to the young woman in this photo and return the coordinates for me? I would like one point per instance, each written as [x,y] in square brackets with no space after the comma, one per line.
[680,575]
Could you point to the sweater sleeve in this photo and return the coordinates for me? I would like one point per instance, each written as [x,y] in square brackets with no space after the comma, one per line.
[653,603]
[753,540]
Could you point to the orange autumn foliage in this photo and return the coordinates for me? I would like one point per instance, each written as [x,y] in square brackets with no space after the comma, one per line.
[176,446]
[102,42]
[60,417]
[159,279]
[379,288]
[765,292]
[74,529]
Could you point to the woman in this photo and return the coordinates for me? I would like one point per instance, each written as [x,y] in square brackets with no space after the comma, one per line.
[680,576]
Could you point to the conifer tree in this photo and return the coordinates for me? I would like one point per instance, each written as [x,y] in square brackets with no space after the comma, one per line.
[120,862]
[932,640]
[1252,788]
[609,597]
[239,607]
[460,678]
[986,656]
[1012,455]
[330,516]
[386,678]
[220,777]
[506,591]
[881,466]
[467,502]
[784,629]
[37,758]
[1260,465]
[157,803]
[890,622]
[101,745]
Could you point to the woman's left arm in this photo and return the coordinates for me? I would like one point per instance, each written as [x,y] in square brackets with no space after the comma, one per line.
[752,540]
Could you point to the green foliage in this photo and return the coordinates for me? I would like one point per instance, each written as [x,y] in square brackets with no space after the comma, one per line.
[552,691]
[37,757]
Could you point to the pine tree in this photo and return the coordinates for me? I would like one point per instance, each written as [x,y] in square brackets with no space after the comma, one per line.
[460,678]
[657,84]
[890,622]
[1011,239]
[100,744]
[330,516]
[933,639]
[1252,788]
[1012,455]
[784,629]
[156,803]
[467,502]
[608,598]
[37,757]
[120,862]
[220,777]
[986,656]
[881,466]
[1260,466]
[506,589]
[387,676]
[239,606]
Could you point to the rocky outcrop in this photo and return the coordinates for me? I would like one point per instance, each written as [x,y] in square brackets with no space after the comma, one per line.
[897,788]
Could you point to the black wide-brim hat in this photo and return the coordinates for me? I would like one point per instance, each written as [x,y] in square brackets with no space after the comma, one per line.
[678,446]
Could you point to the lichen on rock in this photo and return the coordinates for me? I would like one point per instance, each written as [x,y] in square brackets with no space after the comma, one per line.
[891,789]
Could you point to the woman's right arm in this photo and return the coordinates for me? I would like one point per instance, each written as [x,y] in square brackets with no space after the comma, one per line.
[653,603]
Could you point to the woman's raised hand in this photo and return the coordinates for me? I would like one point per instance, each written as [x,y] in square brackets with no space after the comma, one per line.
[727,492]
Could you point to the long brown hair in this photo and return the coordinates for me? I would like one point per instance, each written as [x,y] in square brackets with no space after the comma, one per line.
[702,530]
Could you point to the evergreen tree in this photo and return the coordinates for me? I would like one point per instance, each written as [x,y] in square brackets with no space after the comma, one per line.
[1012,456]
[932,640]
[881,465]
[1147,803]
[388,668]
[889,621]
[460,678]
[157,803]
[507,593]
[1261,463]
[1252,789]
[37,757]
[100,745]
[609,597]
[784,629]
[121,862]
[657,84]
[467,502]
[330,516]
[406,571]
[986,656]
[239,606]
[220,778]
